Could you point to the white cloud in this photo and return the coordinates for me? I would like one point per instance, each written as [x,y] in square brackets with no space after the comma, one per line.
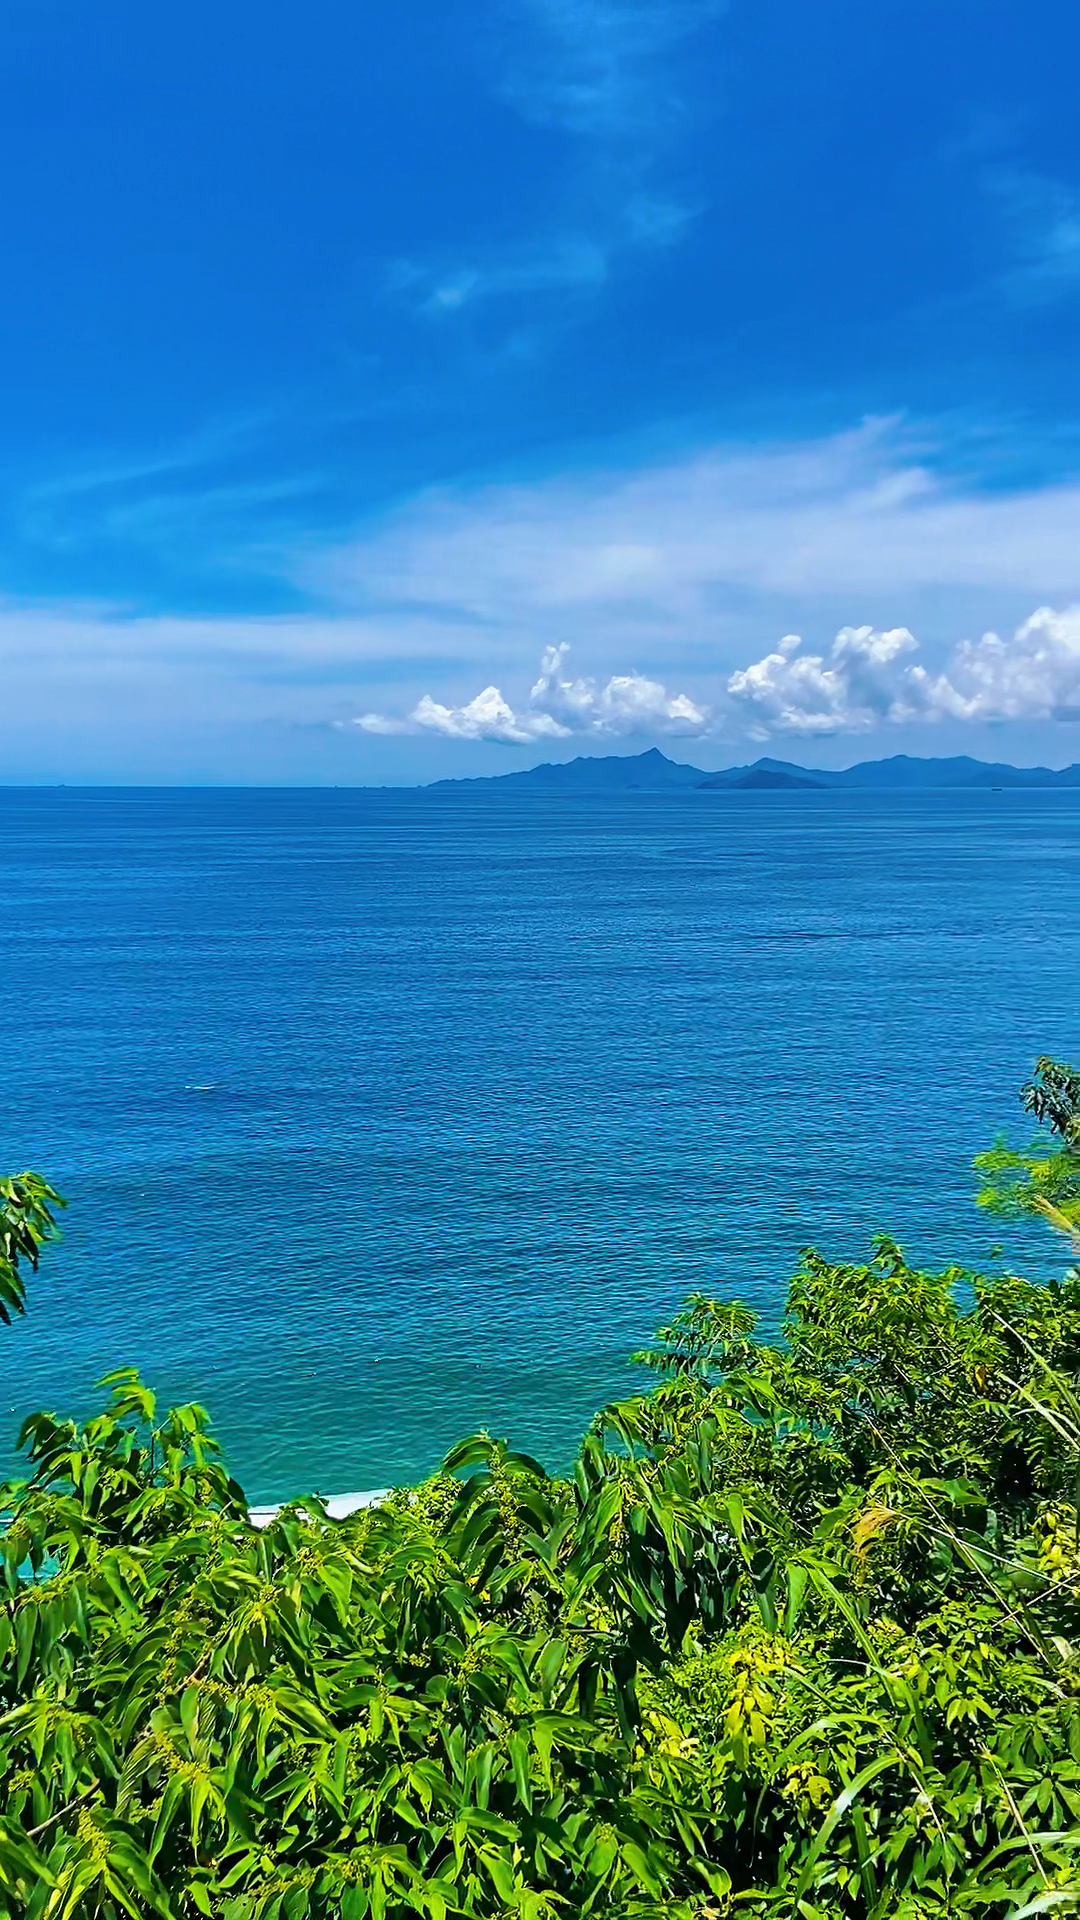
[670,545]
[487,717]
[557,709]
[629,703]
[689,567]
[860,684]
[868,679]
[1033,676]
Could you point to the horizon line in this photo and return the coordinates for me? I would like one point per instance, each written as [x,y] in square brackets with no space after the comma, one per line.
[446,780]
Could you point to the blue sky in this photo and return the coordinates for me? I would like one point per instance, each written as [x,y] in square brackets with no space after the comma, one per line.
[395,392]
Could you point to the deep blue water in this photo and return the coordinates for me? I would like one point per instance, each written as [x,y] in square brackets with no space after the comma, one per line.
[383,1116]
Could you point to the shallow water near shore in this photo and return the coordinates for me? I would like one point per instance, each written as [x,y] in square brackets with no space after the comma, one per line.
[387,1115]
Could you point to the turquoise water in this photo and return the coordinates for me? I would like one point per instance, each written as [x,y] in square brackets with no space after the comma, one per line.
[383,1116]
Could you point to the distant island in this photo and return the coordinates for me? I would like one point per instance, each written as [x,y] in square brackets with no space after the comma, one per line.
[653,772]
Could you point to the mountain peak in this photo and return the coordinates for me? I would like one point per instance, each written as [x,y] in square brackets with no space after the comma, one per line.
[653,772]
[594,773]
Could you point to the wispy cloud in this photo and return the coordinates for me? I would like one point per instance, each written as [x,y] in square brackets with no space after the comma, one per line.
[596,67]
[1043,221]
[194,501]
[698,543]
[560,264]
[606,73]
[563,263]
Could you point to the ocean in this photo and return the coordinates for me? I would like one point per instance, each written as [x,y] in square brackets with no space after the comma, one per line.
[384,1116]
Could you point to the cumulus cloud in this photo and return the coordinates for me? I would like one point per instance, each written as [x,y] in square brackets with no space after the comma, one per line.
[868,679]
[1033,676]
[486,717]
[859,684]
[692,565]
[557,709]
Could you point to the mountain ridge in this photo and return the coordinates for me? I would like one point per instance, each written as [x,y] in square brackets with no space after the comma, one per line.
[653,772]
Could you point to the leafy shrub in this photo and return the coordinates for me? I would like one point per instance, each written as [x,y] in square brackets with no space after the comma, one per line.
[796,1636]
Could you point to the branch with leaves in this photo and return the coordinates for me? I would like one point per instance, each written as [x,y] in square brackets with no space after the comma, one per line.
[1044,1178]
[27,1221]
[798,1637]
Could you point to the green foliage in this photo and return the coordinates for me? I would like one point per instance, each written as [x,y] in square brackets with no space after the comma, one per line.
[1044,1179]
[27,1220]
[798,1636]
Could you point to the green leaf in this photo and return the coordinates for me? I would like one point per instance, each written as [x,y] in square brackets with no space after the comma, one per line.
[518,1747]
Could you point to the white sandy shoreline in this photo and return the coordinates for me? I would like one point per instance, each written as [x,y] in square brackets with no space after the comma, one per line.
[338,1505]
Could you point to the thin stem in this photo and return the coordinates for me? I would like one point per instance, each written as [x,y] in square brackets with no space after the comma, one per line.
[34,1833]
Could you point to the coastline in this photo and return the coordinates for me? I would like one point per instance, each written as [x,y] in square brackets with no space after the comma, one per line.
[338,1506]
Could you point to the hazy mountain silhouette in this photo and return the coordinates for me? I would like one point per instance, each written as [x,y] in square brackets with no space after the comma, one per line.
[653,772]
[616,773]
[763,776]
